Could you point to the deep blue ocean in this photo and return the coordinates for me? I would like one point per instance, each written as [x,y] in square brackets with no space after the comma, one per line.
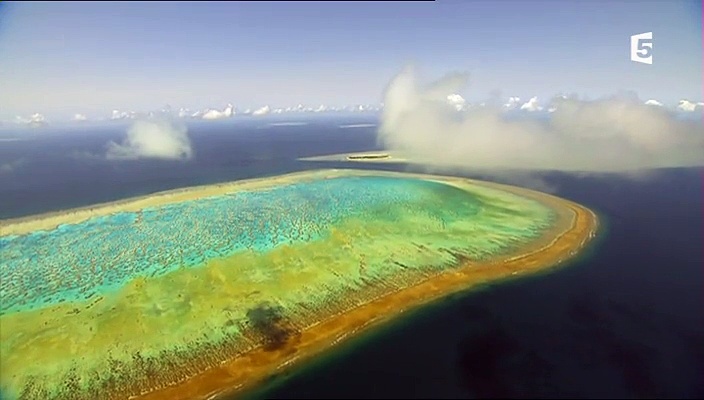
[626,319]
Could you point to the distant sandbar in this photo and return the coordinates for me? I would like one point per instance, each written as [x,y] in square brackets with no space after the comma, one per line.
[368,156]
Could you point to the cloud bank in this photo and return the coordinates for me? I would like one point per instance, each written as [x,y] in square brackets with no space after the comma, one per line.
[160,139]
[608,135]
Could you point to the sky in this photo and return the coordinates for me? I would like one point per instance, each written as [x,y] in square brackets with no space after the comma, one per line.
[63,58]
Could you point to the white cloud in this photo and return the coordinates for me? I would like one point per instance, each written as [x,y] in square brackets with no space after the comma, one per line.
[183,112]
[531,105]
[653,102]
[552,107]
[35,120]
[262,111]
[457,101]
[80,117]
[688,106]
[513,102]
[161,139]
[117,114]
[217,114]
[608,135]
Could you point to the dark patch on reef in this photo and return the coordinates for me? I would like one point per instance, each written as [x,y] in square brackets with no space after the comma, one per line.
[269,323]
[265,325]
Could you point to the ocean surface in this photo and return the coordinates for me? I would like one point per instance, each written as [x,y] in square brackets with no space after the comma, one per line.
[626,319]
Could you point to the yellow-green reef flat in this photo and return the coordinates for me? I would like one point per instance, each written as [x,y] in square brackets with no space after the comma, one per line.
[206,290]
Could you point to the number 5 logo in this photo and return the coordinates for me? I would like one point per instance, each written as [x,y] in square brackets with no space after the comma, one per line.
[642,48]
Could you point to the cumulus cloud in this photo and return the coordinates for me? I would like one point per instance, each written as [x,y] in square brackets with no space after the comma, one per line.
[513,102]
[531,105]
[79,117]
[35,120]
[689,106]
[614,134]
[217,114]
[653,102]
[457,101]
[262,111]
[117,114]
[183,112]
[161,139]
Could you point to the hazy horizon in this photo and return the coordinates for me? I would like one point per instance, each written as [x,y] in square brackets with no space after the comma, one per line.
[63,59]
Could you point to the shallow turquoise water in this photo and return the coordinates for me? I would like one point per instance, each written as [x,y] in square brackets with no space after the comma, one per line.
[74,262]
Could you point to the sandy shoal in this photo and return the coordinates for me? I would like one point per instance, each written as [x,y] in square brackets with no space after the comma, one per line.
[392,157]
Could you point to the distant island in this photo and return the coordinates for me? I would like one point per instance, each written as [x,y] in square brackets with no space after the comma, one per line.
[380,156]
[204,292]
[369,156]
